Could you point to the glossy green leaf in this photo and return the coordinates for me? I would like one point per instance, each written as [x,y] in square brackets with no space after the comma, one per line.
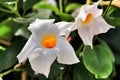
[65,17]
[113,40]
[7,29]
[47,6]
[98,60]
[107,49]
[8,57]
[80,73]
[114,21]
[111,10]
[29,3]
[71,7]
[55,70]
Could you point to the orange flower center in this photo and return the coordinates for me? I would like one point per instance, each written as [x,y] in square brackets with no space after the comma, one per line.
[88,19]
[49,41]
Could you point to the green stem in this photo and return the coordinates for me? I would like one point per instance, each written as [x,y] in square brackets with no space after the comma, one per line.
[60,6]
[107,9]
[4,10]
[5,5]
[13,9]
[61,74]
[17,13]
[79,50]
[9,71]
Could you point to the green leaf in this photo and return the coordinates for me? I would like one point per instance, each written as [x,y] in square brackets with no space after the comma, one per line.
[40,15]
[80,73]
[112,38]
[98,60]
[24,20]
[8,57]
[55,70]
[47,6]
[5,32]
[71,7]
[29,3]
[65,17]
[108,50]
[7,29]
[111,10]
[8,0]
[114,21]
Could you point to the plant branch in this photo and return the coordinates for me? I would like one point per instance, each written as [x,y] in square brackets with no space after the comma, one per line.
[4,42]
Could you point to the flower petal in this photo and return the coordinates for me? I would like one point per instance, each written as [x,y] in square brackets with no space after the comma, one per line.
[1,78]
[39,25]
[41,60]
[27,50]
[66,54]
[99,25]
[64,28]
[95,10]
[90,9]
[86,35]
[82,14]
[75,25]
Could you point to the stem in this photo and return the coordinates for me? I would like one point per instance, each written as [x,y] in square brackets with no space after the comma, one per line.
[12,8]
[16,10]
[107,8]
[17,13]
[88,2]
[61,74]
[79,50]
[60,6]
[4,42]
[4,10]
[24,75]
[9,71]
[7,6]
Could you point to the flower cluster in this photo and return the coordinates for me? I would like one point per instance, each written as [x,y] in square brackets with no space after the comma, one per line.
[48,40]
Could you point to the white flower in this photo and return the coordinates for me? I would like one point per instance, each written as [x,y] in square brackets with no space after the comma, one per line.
[1,78]
[89,22]
[45,45]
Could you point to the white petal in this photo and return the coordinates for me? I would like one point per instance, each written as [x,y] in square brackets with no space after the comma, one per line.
[41,60]
[66,54]
[39,25]
[1,78]
[95,10]
[64,28]
[99,25]
[82,14]
[86,35]
[27,50]
[75,25]
[92,9]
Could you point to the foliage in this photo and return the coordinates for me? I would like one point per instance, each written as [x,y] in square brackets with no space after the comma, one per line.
[101,62]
